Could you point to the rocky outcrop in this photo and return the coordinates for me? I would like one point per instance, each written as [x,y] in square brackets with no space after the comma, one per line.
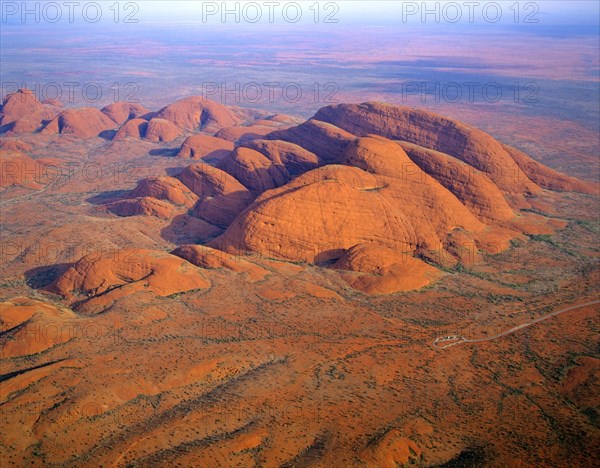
[221,197]
[205,146]
[121,112]
[254,170]
[197,113]
[125,271]
[81,122]
[159,130]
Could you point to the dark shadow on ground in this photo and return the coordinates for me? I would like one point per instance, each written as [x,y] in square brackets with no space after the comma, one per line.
[107,134]
[164,152]
[41,277]
[107,197]
[188,229]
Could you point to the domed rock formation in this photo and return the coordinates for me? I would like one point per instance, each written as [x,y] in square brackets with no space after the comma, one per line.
[254,170]
[472,187]
[82,122]
[305,220]
[143,206]
[262,165]
[378,155]
[282,119]
[392,449]
[269,123]
[241,133]
[384,271]
[165,188]
[547,177]
[161,130]
[21,320]
[20,104]
[134,128]
[122,272]
[156,130]
[433,131]
[186,228]
[353,181]
[323,139]
[121,112]
[52,102]
[205,146]
[162,197]
[22,112]
[206,257]
[206,191]
[323,212]
[222,197]
[32,123]
[197,113]
[294,159]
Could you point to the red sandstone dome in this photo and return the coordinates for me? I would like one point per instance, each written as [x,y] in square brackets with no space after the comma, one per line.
[82,122]
[107,275]
[356,183]
[204,146]
[121,112]
[22,112]
[197,113]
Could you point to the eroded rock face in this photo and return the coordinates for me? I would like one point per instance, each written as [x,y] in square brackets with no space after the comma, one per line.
[82,122]
[471,186]
[127,271]
[206,257]
[165,188]
[197,113]
[323,139]
[159,130]
[239,133]
[143,206]
[435,132]
[293,159]
[320,214]
[380,270]
[121,112]
[254,170]
[357,183]
[22,112]
[221,197]
[134,128]
[205,146]
[547,177]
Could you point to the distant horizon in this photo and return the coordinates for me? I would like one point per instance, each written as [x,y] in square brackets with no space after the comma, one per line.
[248,13]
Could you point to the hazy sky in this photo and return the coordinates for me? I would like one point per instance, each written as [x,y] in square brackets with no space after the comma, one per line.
[477,12]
